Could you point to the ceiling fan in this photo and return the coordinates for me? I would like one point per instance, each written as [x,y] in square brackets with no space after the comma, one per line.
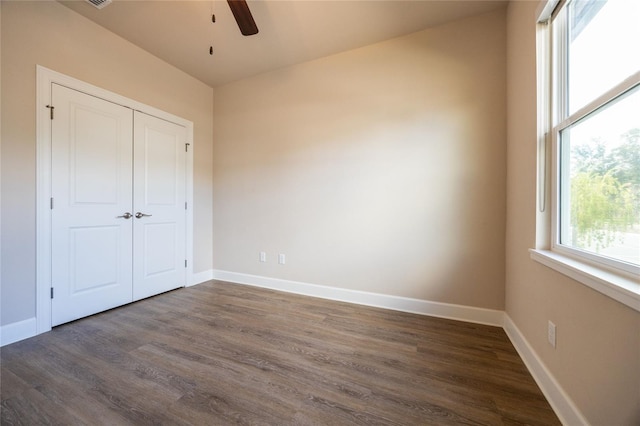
[241,12]
[239,8]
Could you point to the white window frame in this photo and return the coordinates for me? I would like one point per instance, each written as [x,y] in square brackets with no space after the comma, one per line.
[617,280]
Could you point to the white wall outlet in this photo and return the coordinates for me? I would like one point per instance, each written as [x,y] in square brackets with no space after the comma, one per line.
[281,259]
[551,334]
[263,256]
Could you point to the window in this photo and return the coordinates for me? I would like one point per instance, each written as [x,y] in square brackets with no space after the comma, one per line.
[593,111]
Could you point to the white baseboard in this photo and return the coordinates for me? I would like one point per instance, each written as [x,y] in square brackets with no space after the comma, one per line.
[396,303]
[563,406]
[201,277]
[17,331]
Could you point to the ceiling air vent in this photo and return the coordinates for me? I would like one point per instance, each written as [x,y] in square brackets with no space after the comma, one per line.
[99,4]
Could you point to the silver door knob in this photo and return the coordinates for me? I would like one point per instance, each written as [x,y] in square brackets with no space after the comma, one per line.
[127,215]
[139,215]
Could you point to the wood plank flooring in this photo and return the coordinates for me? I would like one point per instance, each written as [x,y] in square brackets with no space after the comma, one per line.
[220,353]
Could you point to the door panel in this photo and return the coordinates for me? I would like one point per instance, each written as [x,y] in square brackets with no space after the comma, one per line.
[91,186]
[159,194]
[162,152]
[90,271]
[162,238]
[95,160]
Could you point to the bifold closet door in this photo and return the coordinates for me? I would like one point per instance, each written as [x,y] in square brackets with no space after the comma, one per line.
[159,232]
[91,173]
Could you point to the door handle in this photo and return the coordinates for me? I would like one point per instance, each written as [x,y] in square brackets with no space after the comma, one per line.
[127,215]
[139,215]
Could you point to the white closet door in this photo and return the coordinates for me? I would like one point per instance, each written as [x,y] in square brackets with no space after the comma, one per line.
[92,191]
[159,200]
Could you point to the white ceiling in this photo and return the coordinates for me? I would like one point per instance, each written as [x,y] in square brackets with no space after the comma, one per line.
[180,31]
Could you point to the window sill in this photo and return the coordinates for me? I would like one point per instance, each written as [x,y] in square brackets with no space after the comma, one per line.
[623,289]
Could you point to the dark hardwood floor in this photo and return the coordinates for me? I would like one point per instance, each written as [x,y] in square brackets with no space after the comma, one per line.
[221,353]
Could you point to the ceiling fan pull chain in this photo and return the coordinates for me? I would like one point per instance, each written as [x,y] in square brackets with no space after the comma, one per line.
[213,21]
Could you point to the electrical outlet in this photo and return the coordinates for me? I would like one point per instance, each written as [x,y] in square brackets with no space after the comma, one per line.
[281,259]
[551,334]
[263,256]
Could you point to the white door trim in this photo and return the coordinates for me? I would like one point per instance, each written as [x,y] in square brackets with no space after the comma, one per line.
[44,78]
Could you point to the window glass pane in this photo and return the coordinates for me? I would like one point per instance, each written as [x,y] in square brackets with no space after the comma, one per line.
[604,41]
[600,181]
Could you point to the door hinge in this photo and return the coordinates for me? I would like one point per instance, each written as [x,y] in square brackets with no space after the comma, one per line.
[51,107]
[185,263]
[51,203]
[52,292]
[186,147]
[185,205]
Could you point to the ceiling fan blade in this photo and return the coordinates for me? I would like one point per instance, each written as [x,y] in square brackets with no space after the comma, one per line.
[243,16]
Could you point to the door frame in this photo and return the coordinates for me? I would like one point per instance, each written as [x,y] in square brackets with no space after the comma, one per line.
[44,79]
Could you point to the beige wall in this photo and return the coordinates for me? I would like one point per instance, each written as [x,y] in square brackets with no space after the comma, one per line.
[597,359]
[379,169]
[51,35]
